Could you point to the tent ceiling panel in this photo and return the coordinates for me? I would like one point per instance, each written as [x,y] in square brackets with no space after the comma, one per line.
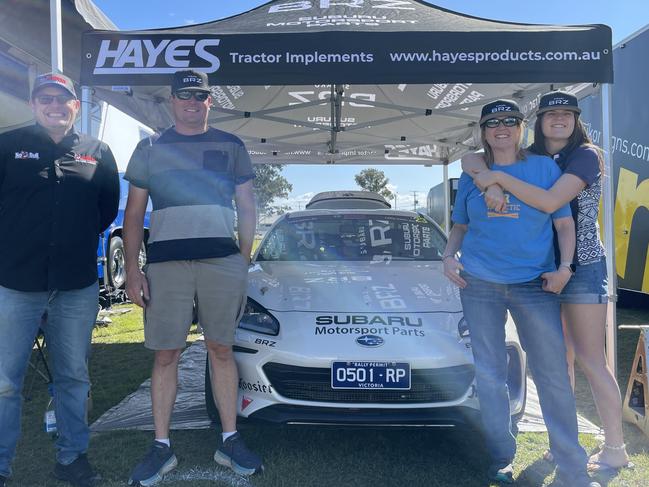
[379,124]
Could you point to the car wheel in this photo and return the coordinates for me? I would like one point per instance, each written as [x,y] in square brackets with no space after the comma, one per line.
[116,263]
[141,257]
[210,406]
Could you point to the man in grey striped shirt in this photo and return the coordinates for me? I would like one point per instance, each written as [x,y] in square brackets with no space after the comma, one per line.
[192,173]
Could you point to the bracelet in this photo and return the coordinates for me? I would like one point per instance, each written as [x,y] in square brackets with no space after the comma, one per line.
[568,265]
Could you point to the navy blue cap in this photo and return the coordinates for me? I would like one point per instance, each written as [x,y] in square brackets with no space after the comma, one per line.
[558,100]
[189,80]
[500,107]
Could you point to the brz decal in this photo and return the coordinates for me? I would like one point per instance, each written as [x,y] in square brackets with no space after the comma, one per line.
[263,341]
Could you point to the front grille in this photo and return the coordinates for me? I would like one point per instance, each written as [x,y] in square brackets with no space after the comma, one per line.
[314,384]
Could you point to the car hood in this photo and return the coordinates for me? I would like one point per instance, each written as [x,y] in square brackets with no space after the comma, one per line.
[358,287]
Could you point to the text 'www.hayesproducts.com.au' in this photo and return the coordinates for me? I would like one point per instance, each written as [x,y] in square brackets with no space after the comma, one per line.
[494,56]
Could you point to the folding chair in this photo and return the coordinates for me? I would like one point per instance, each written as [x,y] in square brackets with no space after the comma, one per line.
[38,356]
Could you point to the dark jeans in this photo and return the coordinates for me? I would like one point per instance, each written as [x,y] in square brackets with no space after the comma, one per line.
[538,322]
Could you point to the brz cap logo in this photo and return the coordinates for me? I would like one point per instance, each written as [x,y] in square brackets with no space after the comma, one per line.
[370,341]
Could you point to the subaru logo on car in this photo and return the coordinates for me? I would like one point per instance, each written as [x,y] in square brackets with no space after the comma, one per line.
[370,341]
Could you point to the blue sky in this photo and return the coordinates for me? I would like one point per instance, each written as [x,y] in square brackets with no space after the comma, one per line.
[623,16]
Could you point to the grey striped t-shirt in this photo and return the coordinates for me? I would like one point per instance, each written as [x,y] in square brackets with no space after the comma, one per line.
[191,180]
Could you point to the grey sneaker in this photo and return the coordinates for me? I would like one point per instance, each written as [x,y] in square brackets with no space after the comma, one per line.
[159,461]
[79,473]
[234,454]
[503,474]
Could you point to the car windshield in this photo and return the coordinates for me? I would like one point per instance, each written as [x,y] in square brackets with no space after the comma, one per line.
[353,237]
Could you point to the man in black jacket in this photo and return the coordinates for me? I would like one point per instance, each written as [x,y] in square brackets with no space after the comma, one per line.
[58,190]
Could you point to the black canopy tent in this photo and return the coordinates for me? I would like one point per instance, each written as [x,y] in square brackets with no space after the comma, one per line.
[356,81]
[337,81]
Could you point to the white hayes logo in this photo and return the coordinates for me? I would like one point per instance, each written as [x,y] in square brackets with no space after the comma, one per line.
[144,56]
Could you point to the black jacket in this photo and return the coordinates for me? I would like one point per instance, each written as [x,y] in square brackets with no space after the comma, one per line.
[55,200]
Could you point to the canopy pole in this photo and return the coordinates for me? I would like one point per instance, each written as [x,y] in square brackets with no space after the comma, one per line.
[332,122]
[86,107]
[609,238]
[335,102]
[56,37]
[447,201]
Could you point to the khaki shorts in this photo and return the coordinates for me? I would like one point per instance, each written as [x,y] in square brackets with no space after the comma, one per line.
[219,287]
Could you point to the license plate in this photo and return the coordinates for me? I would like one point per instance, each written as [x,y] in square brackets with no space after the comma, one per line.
[370,375]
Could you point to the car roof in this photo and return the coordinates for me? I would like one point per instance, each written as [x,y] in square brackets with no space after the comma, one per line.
[347,199]
[351,211]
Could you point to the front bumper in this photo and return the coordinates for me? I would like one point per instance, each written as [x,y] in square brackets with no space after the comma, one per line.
[440,416]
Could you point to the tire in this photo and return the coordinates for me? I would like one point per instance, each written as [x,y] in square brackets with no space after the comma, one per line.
[210,406]
[116,265]
[141,258]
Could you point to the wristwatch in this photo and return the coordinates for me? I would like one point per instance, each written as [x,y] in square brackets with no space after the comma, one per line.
[570,266]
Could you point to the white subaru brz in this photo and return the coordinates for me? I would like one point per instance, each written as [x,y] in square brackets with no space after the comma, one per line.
[350,320]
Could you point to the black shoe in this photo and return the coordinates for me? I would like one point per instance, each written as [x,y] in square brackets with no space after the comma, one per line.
[159,461]
[572,480]
[234,454]
[79,473]
[3,480]
[503,474]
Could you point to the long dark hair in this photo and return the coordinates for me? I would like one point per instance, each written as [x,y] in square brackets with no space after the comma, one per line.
[578,138]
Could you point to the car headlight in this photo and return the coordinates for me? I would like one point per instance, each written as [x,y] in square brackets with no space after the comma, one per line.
[256,318]
[463,328]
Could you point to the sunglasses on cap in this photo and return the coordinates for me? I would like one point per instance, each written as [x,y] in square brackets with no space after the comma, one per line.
[49,99]
[492,123]
[186,95]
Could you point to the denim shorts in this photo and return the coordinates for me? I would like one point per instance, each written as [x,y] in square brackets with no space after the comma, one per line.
[588,285]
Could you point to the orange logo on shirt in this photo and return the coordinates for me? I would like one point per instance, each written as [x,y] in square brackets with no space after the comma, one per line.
[512,210]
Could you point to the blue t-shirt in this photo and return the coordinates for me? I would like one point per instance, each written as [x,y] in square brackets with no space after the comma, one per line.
[515,245]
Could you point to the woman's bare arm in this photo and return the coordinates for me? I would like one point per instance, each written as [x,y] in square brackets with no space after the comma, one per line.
[564,190]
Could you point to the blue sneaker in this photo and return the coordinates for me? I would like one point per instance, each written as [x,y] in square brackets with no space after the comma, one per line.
[159,461]
[234,454]
[503,474]
[79,473]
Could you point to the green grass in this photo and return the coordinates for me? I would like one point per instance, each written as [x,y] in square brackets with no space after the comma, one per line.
[300,456]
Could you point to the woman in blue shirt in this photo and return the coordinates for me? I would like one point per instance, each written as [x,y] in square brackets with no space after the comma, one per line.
[506,264]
